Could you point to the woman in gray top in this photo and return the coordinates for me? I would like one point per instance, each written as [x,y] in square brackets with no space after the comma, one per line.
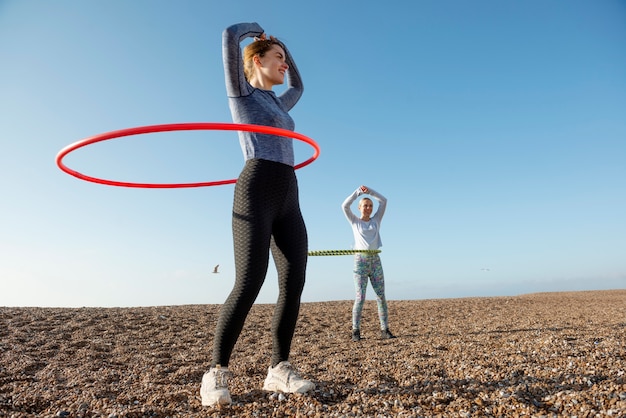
[266,209]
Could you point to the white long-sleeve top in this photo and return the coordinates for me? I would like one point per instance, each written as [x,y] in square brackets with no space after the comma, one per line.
[366,233]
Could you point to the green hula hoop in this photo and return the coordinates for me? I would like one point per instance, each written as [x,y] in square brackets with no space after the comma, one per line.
[342,252]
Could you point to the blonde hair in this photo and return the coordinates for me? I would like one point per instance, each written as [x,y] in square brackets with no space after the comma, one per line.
[259,48]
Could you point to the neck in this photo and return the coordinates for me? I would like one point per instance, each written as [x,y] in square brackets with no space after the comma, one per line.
[261,84]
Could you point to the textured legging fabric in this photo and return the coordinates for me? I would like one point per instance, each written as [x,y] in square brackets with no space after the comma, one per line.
[369,267]
[266,213]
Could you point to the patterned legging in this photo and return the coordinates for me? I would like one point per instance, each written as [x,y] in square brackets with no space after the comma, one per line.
[266,213]
[368,266]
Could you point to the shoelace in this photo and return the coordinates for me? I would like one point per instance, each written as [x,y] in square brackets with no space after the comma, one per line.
[221,379]
[293,375]
[290,373]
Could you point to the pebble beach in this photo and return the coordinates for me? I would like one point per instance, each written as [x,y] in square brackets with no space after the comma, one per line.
[537,355]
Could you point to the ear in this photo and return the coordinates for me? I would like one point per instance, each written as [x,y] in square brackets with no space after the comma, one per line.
[257,61]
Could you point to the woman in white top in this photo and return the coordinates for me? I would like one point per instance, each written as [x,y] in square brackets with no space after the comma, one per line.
[367,265]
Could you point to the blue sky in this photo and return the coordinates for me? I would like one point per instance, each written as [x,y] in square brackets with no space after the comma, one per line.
[496,129]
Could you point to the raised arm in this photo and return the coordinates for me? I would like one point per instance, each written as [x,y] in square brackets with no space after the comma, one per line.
[295,88]
[382,203]
[345,206]
[236,83]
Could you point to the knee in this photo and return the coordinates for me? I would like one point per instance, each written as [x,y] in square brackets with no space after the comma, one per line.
[360,298]
[291,282]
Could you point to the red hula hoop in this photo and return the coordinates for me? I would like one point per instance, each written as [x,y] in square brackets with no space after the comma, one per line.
[209,126]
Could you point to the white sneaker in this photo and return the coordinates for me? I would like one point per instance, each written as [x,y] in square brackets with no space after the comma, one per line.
[284,378]
[214,389]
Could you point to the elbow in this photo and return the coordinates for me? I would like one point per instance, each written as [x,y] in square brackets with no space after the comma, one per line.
[296,85]
[228,32]
[227,35]
[232,32]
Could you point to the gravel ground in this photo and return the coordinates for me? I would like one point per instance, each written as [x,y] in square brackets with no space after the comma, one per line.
[543,355]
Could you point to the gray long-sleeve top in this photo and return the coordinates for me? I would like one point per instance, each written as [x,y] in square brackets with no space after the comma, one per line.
[251,105]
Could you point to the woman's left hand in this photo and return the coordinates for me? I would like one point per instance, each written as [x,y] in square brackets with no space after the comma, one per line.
[263,37]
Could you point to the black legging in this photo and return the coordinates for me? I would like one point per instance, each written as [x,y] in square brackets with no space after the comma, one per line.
[266,213]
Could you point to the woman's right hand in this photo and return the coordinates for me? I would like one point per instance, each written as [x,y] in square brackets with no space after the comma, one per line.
[364,189]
